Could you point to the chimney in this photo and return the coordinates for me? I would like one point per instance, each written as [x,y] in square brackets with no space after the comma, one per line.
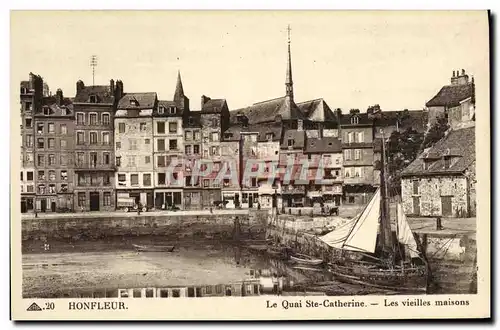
[79,86]
[204,99]
[112,86]
[460,78]
[118,90]
[59,96]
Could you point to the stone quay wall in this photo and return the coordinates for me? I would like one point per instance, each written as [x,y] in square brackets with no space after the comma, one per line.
[251,225]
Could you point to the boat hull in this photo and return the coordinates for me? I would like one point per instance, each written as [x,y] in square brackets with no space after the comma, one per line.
[154,248]
[311,262]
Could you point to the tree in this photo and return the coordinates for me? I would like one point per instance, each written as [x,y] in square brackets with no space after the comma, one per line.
[402,149]
[435,132]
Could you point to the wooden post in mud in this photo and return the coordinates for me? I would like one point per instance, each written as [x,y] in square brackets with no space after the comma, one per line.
[236,229]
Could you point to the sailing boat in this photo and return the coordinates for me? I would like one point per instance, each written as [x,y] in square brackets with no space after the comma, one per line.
[369,254]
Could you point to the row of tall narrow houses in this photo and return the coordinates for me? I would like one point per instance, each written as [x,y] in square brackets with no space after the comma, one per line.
[106,146]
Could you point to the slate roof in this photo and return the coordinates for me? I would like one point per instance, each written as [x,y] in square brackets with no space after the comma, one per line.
[142,101]
[416,119]
[451,95]
[193,120]
[363,119]
[323,145]
[267,111]
[317,110]
[458,143]
[213,106]
[57,110]
[25,84]
[103,94]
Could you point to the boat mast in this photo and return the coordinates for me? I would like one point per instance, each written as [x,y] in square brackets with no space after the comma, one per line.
[385,223]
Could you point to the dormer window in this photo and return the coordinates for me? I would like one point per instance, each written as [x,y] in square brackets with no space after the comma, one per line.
[228,135]
[447,162]
[269,136]
[93,99]
[190,121]
[161,110]
[24,90]
[355,120]
[291,142]
[46,110]
[64,111]
[173,110]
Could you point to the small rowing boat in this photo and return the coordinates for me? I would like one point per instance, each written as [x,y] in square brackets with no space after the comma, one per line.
[306,260]
[154,248]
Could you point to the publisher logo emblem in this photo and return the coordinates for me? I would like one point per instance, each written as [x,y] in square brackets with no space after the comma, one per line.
[34,307]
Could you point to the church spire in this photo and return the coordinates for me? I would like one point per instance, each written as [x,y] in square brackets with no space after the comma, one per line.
[289,81]
[179,91]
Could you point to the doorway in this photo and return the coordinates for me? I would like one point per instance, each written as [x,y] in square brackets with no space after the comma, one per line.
[53,206]
[446,206]
[94,201]
[43,204]
[24,207]
[250,201]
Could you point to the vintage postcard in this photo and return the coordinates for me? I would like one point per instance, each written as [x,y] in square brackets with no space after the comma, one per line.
[264,165]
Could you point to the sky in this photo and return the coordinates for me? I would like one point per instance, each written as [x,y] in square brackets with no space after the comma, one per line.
[398,60]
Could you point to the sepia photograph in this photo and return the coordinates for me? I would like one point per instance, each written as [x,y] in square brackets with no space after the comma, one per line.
[272,162]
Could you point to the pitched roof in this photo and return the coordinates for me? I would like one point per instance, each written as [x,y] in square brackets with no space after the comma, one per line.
[416,119]
[137,101]
[193,120]
[457,143]
[452,95]
[267,111]
[262,130]
[213,106]
[298,136]
[57,110]
[317,110]
[363,119]
[103,94]
[323,145]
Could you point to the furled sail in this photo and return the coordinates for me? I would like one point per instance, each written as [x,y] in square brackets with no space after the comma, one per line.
[405,235]
[359,234]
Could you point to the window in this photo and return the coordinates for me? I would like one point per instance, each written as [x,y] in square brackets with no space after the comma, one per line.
[80,158]
[106,196]
[269,136]
[196,135]
[28,122]
[105,118]
[447,162]
[63,143]
[80,138]
[161,110]
[347,154]
[161,145]
[22,176]
[347,172]
[214,151]
[358,172]
[215,122]
[81,199]
[106,158]
[355,120]
[93,99]
[206,183]
[161,161]
[172,144]
[132,144]
[41,175]
[160,127]
[172,128]
[188,135]
[291,142]
[30,188]
[80,119]
[93,119]
[118,161]
[64,187]
[196,149]
[29,141]
[254,182]
[93,159]
[52,175]
[121,127]
[51,128]
[105,138]
[64,160]
[146,179]
[415,187]
[134,179]
[147,141]
[361,137]
[40,143]
[147,159]
[41,160]
[93,137]
[81,180]
[64,175]
[214,136]
[188,150]
[350,137]
[173,110]
[188,181]
[122,178]
[142,127]
[161,178]
[51,142]
[357,154]
[106,180]
[52,188]
[131,161]
[29,176]
[118,145]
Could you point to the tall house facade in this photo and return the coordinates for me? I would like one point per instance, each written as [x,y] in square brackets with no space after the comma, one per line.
[192,155]
[168,135]
[231,162]
[249,166]
[134,147]
[214,118]
[268,146]
[94,108]
[357,147]
[54,143]
[31,94]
